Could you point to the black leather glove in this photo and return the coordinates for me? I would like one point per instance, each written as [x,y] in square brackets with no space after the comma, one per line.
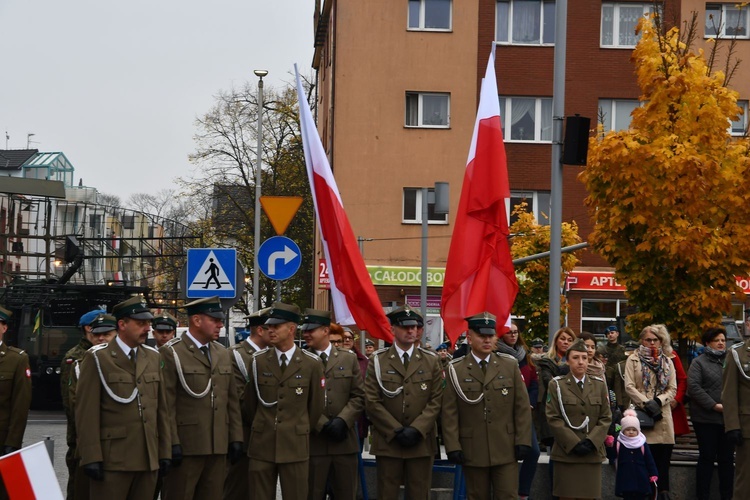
[94,470]
[522,451]
[653,408]
[457,457]
[584,447]
[336,429]
[176,455]
[164,465]
[735,437]
[9,449]
[408,436]
[235,452]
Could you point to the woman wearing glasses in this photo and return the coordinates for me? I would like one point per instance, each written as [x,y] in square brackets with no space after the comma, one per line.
[651,383]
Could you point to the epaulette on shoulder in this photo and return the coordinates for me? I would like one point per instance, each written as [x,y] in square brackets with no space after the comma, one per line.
[507,356]
[737,345]
[594,377]
[381,351]
[560,377]
[456,360]
[151,348]
[262,351]
[427,351]
[217,345]
[313,356]
[98,347]
[16,349]
[174,341]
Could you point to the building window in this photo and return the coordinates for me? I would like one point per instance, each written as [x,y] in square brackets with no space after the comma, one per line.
[529,119]
[537,203]
[597,315]
[412,209]
[739,126]
[525,22]
[427,110]
[726,20]
[430,14]
[619,21]
[614,114]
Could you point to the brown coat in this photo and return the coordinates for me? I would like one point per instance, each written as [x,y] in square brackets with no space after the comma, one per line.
[241,370]
[663,431]
[15,394]
[204,425]
[735,395]
[417,405]
[345,398]
[280,432]
[592,402]
[487,431]
[125,436]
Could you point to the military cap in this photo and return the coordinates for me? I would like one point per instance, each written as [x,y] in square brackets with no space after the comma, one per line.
[442,347]
[315,318]
[537,342]
[210,306]
[257,318]
[612,328]
[631,345]
[5,314]
[404,316]
[90,316]
[283,313]
[164,321]
[482,323]
[578,345]
[104,323]
[134,307]
[369,342]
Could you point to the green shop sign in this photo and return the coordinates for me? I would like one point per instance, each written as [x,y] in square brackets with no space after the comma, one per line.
[405,276]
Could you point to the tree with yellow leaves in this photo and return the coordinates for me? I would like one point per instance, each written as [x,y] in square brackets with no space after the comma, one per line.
[669,197]
[532,301]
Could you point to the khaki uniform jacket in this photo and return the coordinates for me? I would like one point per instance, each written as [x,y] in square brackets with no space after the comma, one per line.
[735,395]
[241,369]
[280,432]
[663,431]
[206,425]
[618,385]
[592,402]
[487,431]
[344,397]
[417,405]
[15,394]
[125,436]
[68,382]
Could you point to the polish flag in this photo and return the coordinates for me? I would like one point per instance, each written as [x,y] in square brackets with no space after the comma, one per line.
[355,301]
[28,474]
[479,274]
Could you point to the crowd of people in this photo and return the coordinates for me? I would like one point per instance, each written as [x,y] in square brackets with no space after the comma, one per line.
[191,419]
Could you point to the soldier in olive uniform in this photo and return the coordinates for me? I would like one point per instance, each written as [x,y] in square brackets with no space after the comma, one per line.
[120,410]
[236,484]
[164,328]
[284,401]
[334,444]
[204,408]
[486,415]
[615,350]
[403,391]
[735,398]
[15,393]
[100,330]
[616,378]
[579,416]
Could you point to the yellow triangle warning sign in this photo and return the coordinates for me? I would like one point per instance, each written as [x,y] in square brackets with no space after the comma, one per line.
[280,210]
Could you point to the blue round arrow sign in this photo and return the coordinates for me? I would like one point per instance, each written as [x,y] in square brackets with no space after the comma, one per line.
[279,258]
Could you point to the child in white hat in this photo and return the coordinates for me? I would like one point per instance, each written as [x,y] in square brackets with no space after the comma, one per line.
[636,469]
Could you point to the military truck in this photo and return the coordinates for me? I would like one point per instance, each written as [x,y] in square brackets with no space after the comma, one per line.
[45,325]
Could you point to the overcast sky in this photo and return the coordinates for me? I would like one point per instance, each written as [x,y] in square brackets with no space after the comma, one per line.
[116,86]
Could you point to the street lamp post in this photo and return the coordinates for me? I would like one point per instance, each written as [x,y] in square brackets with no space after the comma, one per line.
[260,73]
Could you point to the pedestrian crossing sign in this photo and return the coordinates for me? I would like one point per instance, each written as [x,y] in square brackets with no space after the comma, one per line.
[211,272]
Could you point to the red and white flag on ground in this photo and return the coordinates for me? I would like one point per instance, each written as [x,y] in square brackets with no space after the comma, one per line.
[28,474]
[479,274]
[355,300]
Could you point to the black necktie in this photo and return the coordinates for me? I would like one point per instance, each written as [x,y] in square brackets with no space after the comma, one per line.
[483,365]
[406,360]
[283,362]
[207,353]
[133,355]
[324,357]
[580,384]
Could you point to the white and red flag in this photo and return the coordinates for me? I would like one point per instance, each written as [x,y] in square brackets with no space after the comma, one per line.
[28,474]
[479,274]
[355,300]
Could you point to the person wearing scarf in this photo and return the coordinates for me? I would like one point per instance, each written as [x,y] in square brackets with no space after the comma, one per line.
[552,364]
[636,469]
[651,383]
[596,366]
[707,413]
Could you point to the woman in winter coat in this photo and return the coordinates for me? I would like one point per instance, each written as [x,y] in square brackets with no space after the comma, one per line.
[651,383]
[706,411]
[550,366]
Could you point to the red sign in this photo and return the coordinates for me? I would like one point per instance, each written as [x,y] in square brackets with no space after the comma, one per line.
[603,281]
[324,281]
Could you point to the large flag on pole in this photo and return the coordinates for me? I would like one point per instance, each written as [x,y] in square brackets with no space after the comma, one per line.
[479,274]
[355,300]
[28,474]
